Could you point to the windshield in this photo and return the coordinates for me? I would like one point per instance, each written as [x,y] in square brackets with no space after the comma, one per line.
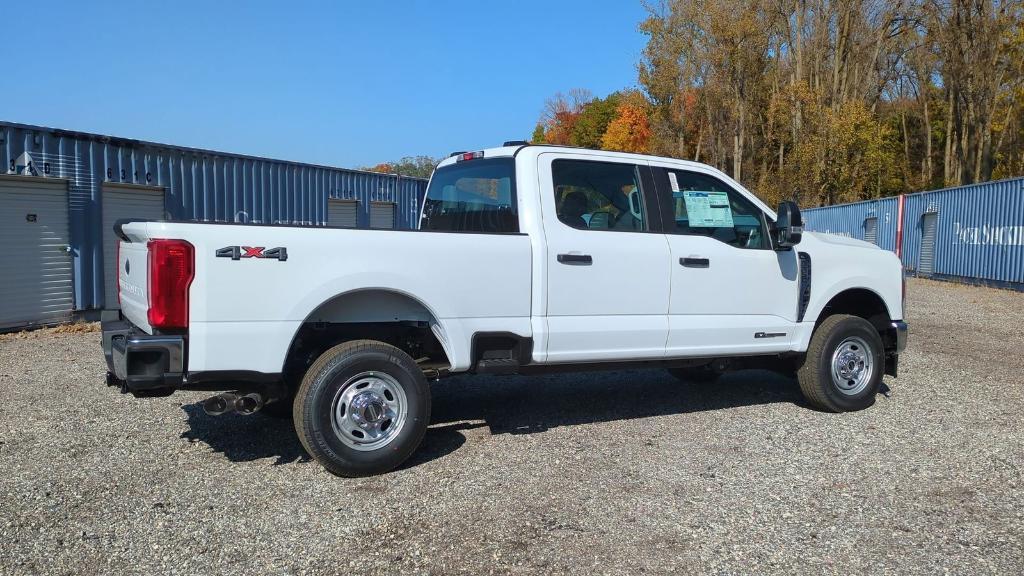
[472,196]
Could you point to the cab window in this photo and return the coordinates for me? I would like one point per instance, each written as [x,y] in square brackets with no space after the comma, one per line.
[702,205]
[599,196]
[472,196]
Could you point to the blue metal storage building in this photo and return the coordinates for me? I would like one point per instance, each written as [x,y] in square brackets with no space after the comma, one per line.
[199,185]
[968,233]
[858,220]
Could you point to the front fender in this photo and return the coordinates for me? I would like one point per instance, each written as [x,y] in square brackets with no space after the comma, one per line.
[840,264]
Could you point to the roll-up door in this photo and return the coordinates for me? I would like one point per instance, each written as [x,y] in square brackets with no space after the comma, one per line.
[929,230]
[122,201]
[342,213]
[36,269]
[871,230]
[382,215]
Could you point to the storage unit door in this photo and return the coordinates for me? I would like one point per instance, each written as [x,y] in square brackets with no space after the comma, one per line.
[871,230]
[382,215]
[342,213]
[120,202]
[35,269]
[929,230]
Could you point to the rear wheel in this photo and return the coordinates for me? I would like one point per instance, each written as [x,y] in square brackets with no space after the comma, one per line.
[842,370]
[362,409]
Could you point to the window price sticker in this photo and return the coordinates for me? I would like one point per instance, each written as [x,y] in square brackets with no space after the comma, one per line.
[708,209]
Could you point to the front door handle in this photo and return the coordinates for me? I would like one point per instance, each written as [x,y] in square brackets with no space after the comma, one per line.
[576,259]
[695,262]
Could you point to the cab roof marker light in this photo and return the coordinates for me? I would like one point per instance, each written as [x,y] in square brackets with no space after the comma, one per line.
[470,156]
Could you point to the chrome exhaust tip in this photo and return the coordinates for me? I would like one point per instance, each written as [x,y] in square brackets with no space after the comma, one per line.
[219,404]
[249,404]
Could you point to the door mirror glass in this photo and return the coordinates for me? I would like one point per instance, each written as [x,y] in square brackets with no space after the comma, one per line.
[789,226]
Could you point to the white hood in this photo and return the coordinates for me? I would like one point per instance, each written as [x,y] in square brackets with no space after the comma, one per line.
[841,240]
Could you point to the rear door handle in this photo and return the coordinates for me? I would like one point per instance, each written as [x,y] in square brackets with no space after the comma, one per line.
[695,262]
[577,259]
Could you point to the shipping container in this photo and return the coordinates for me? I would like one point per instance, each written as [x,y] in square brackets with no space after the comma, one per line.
[968,233]
[193,185]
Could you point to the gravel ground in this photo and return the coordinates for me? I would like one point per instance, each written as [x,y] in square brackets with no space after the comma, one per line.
[595,473]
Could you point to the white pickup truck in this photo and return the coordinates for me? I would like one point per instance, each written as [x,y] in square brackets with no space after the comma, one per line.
[527,259]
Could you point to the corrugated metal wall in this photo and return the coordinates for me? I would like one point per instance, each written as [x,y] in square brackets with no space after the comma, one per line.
[199,185]
[980,230]
[979,233]
[849,220]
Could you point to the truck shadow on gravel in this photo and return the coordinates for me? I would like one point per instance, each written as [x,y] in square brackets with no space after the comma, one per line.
[511,405]
[532,404]
[245,438]
[256,437]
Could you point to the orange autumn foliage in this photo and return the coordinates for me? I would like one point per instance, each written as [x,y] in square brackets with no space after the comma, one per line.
[629,131]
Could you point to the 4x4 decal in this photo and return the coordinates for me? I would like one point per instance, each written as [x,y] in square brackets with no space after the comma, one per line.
[239,252]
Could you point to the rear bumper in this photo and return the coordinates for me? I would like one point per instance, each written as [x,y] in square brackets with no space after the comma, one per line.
[141,362]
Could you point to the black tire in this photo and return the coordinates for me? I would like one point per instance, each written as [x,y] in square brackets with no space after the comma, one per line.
[816,375]
[695,373]
[314,407]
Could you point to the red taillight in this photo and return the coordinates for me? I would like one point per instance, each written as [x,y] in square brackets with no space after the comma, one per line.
[171,269]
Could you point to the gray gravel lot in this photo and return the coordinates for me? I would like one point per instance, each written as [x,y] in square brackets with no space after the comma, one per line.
[610,472]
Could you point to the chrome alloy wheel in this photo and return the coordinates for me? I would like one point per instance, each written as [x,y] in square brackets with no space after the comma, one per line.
[852,365]
[369,411]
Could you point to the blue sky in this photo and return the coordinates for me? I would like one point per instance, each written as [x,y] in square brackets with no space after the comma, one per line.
[337,83]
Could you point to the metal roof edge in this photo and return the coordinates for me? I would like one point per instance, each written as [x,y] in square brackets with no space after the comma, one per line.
[202,151]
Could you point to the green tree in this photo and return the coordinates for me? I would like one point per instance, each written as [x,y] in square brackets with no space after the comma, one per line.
[538,135]
[593,120]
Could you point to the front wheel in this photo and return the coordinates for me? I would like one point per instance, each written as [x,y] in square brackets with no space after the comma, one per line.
[842,370]
[362,408]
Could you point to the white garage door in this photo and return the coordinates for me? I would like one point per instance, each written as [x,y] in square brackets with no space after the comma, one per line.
[342,212]
[871,230]
[382,215]
[929,229]
[121,201]
[35,270]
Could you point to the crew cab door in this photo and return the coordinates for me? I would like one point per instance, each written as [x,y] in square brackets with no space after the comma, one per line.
[607,284]
[731,293]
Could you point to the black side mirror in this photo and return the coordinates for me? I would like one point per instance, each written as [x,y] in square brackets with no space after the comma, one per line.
[789,226]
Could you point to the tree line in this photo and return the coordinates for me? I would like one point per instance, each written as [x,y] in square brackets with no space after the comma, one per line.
[822,101]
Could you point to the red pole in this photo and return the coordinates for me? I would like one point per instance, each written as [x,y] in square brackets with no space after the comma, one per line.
[899,228]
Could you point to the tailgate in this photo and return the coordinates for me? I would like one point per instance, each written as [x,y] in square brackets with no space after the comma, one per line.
[132,283]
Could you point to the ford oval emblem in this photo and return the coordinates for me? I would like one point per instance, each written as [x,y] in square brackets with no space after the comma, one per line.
[127,267]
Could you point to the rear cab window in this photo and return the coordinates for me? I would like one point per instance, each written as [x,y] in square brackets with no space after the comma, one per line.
[476,195]
[594,195]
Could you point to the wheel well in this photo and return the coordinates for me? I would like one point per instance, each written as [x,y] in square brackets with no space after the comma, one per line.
[864,303]
[383,315]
